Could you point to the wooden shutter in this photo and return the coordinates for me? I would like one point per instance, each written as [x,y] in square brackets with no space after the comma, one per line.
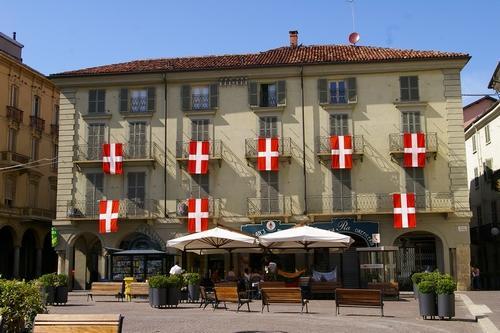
[323,91]
[413,85]
[124,100]
[92,101]
[352,95]
[342,189]
[186,97]
[151,99]
[281,93]
[214,95]
[404,88]
[253,99]
[415,182]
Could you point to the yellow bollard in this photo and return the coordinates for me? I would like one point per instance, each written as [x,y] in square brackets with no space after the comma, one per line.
[128,281]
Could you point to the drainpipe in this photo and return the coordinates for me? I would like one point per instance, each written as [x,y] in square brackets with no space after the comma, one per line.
[165,100]
[303,138]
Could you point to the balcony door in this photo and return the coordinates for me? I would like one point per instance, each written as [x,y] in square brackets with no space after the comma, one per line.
[137,140]
[269,192]
[199,130]
[341,178]
[415,182]
[410,122]
[339,124]
[93,193]
[95,141]
[136,192]
[268,127]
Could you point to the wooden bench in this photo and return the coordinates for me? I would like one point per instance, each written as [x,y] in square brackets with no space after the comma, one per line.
[78,323]
[106,289]
[324,287]
[139,289]
[390,289]
[283,295]
[359,298]
[272,284]
[227,284]
[230,295]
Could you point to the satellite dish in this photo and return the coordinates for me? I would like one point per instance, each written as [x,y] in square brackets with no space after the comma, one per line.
[354,38]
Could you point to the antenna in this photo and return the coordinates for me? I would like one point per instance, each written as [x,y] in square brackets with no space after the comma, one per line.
[354,36]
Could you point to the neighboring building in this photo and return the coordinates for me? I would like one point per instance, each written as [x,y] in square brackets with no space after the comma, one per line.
[482,142]
[297,93]
[28,170]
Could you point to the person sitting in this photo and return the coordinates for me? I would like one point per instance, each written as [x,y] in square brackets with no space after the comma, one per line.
[207,283]
[231,276]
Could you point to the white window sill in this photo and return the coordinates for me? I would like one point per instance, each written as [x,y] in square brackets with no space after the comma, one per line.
[338,106]
[278,108]
[140,114]
[410,104]
[200,112]
[101,115]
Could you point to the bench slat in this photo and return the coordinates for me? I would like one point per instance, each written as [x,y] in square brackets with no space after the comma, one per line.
[78,323]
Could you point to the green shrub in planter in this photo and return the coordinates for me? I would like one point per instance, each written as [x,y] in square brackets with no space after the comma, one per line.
[47,284]
[192,280]
[445,289]
[61,293]
[173,290]
[427,297]
[158,290]
[446,286]
[158,281]
[416,278]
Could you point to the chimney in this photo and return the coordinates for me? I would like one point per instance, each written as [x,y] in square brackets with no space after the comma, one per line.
[294,38]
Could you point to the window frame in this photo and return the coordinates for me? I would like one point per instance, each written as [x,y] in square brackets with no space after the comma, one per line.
[200,106]
[329,87]
[14,96]
[345,126]
[411,122]
[36,109]
[413,91]
[143,98]
[12,139]
[10,196]
[271,128]
[35,148]
[204,124]
[97,102]
[474,143]
[487,134]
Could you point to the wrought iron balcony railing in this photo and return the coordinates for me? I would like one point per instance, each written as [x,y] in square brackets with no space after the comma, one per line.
[130,152]
[214,208]
[200,102]
[15,114]
[284,148]
[28,212]
[10,157]
[277,206]
[323,145]
[129,208]
[368,203]
[396,143]
[182,150]
[37,123]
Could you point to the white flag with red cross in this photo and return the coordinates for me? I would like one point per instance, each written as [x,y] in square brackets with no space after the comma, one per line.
[268,154]
[108,216]
[198,157]
[404,210]
[414,150]
[341,150]
[197,214]
[112,158]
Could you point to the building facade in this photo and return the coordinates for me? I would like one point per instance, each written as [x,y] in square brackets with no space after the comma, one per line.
[482,142]
[301,95]
[28,168]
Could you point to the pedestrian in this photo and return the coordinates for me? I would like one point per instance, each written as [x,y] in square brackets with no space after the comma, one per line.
[476,278]
[176,269]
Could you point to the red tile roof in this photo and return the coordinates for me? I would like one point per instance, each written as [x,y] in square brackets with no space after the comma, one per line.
[283,56]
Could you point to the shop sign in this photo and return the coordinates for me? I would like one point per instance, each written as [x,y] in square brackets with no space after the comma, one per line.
[363,229]
[265,227]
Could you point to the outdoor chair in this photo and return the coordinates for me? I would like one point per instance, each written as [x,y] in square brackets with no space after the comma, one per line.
[207,297]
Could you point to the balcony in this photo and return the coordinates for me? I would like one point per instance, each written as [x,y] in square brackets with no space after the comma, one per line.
[323,149]
[280,206]
[376,203]
[182,151]
[284,149]
[54,129]
[9,158]
[28,213]
[129,209]
[37,124]
[14,114]
[133,154]
[396,147]
[214,208]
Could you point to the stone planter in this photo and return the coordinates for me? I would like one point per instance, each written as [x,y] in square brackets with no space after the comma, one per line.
[446,306]
[193,292]
[415,291]
[48,294]
[158,297]
[61,295]
[173,296]
[427,305]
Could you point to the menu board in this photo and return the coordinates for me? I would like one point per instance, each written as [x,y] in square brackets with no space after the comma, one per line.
[138,267]
[121,267]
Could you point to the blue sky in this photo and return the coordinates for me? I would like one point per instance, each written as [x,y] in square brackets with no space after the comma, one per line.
[64,35]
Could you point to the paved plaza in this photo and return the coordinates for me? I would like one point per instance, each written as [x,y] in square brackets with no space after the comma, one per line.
[400,316]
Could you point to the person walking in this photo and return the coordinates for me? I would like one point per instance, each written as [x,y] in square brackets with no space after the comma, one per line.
[176,269]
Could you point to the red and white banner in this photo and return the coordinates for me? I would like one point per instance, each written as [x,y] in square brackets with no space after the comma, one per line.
[198,157]
[404,210]
[268,154]
[112,158]
[197,214]
[414,150]
[108,216]
[341,150]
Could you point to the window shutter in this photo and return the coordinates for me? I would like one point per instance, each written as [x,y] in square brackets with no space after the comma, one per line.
[214,96]
[92,101]
[281,94]
[323,91]
[151,99]
[414,88]
[253,99]
[404,89]
[124,100]
[186,97]
[352,95]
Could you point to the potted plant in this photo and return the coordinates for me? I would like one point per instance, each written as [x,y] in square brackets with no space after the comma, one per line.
[193,285]
[47,287]
[416,278]
[61,289]
[427,298]
[174,283]
[158,291]
[445,290]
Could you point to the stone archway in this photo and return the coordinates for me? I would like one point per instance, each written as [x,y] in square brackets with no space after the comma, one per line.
[7,250]
[418,251]
[88,261]
[49,256]
[140,241]
[27,260]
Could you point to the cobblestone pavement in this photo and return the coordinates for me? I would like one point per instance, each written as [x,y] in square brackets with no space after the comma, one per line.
[491,298]
[401,316]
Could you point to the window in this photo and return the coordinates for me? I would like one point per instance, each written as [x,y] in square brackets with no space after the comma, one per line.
[10,191]
[93,193]
[342,190]
[55,149]
[200,97]
[337,91]
[494,212]
[199,130]
[409,88]
[35,143]
[14,96]
[487,170]
[200,187]
[12,140]
[476,178]
[268,127]
[33,194]
[97,99]
[479,216]
[487,135]
[474,145]
[36,107]
[415,183]
[410,122]
[269,94]
[56,115]
[137,100]
[137,188]
[339,124]
[269,192]
[95,141]
[137,140]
